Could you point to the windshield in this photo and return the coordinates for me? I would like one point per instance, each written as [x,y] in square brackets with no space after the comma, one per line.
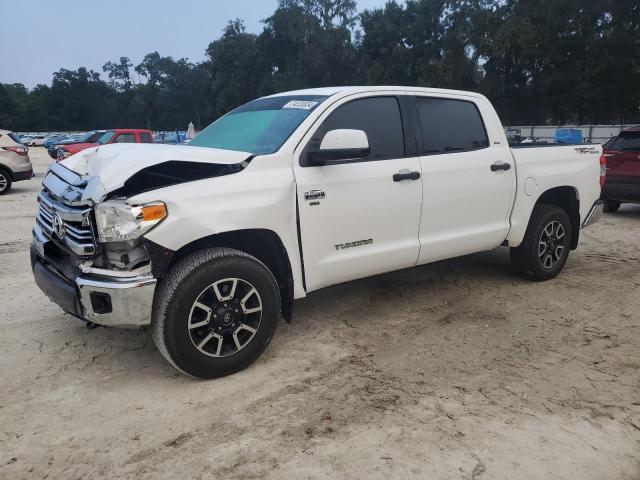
[105,138]
[94,136]
[259,127]
[86,137]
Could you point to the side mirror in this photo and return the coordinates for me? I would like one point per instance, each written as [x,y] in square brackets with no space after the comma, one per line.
[341,145]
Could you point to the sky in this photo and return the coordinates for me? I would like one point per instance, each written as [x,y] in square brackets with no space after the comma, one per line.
[39,37]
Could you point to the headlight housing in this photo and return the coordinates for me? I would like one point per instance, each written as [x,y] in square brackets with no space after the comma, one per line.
[117,221]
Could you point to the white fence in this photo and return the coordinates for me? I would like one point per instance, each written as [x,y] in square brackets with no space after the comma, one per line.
[590,133]
[542,133]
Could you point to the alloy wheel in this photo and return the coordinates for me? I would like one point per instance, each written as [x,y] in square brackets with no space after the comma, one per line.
[3,182]
[552,244]
[225,317]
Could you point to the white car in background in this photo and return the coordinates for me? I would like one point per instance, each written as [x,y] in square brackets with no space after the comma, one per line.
[33,140]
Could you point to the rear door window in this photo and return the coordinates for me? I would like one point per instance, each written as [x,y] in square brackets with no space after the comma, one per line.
[145,138]
[14,137]
[450,126]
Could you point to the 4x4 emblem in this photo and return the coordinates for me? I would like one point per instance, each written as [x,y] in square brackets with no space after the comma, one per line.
[58,226]
[314,195]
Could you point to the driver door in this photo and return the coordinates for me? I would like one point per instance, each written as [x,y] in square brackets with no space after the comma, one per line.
[359,217]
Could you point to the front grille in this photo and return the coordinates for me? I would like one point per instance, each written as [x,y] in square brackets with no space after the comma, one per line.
[67,226]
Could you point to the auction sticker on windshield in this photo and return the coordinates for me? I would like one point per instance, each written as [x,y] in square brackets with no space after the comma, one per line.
[300,104]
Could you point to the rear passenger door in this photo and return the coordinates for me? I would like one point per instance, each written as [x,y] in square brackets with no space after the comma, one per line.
[468,177]
[355,219]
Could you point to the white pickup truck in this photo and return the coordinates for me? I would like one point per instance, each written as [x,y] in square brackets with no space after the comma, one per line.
[210,243]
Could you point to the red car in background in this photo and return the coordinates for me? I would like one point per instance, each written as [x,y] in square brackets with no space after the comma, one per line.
[116,135]
[622,181]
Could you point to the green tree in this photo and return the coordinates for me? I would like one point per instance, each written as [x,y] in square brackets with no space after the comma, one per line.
[308,44]
[119,73]
[538,61]
[237,68]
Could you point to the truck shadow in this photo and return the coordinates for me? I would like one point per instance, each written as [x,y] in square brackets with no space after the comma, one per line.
[412,289]
[628,210]
[361,304]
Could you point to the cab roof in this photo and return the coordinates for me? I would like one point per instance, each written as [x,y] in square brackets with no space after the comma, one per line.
[125,130]
[351,90]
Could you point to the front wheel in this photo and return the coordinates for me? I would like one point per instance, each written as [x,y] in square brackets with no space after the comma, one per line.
[215,312]
[545,247]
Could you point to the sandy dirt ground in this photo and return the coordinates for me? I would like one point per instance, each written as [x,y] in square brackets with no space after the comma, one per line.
[454,370]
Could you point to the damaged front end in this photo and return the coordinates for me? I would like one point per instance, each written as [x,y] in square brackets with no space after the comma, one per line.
[106,283]
[89,253]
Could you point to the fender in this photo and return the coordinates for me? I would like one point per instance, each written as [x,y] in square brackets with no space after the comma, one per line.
[565,197]
[263,244]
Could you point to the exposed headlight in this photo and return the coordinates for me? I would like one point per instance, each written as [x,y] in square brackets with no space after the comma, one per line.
[118,221]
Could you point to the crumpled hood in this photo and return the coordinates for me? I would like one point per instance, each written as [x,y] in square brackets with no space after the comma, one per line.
[106,168]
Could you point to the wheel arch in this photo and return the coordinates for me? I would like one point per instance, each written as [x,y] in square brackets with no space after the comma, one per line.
[7,170]
[566,198]
[263,244]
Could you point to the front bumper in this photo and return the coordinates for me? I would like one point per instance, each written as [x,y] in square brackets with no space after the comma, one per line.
[594,214]
[121,303]
[108,301]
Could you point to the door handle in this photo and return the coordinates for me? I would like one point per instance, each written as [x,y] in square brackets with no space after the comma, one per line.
[405,175]
[500,166]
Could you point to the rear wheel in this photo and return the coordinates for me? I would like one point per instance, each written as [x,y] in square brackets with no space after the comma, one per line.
[216,312]
[5,182]
[611,206]
[545,248]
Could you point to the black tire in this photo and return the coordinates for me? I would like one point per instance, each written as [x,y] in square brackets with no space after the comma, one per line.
[532,263]
[5,181]
[175,304]
[611,206]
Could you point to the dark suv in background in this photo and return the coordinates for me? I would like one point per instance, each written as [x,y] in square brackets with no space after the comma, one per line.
[622,182]
[88,137]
